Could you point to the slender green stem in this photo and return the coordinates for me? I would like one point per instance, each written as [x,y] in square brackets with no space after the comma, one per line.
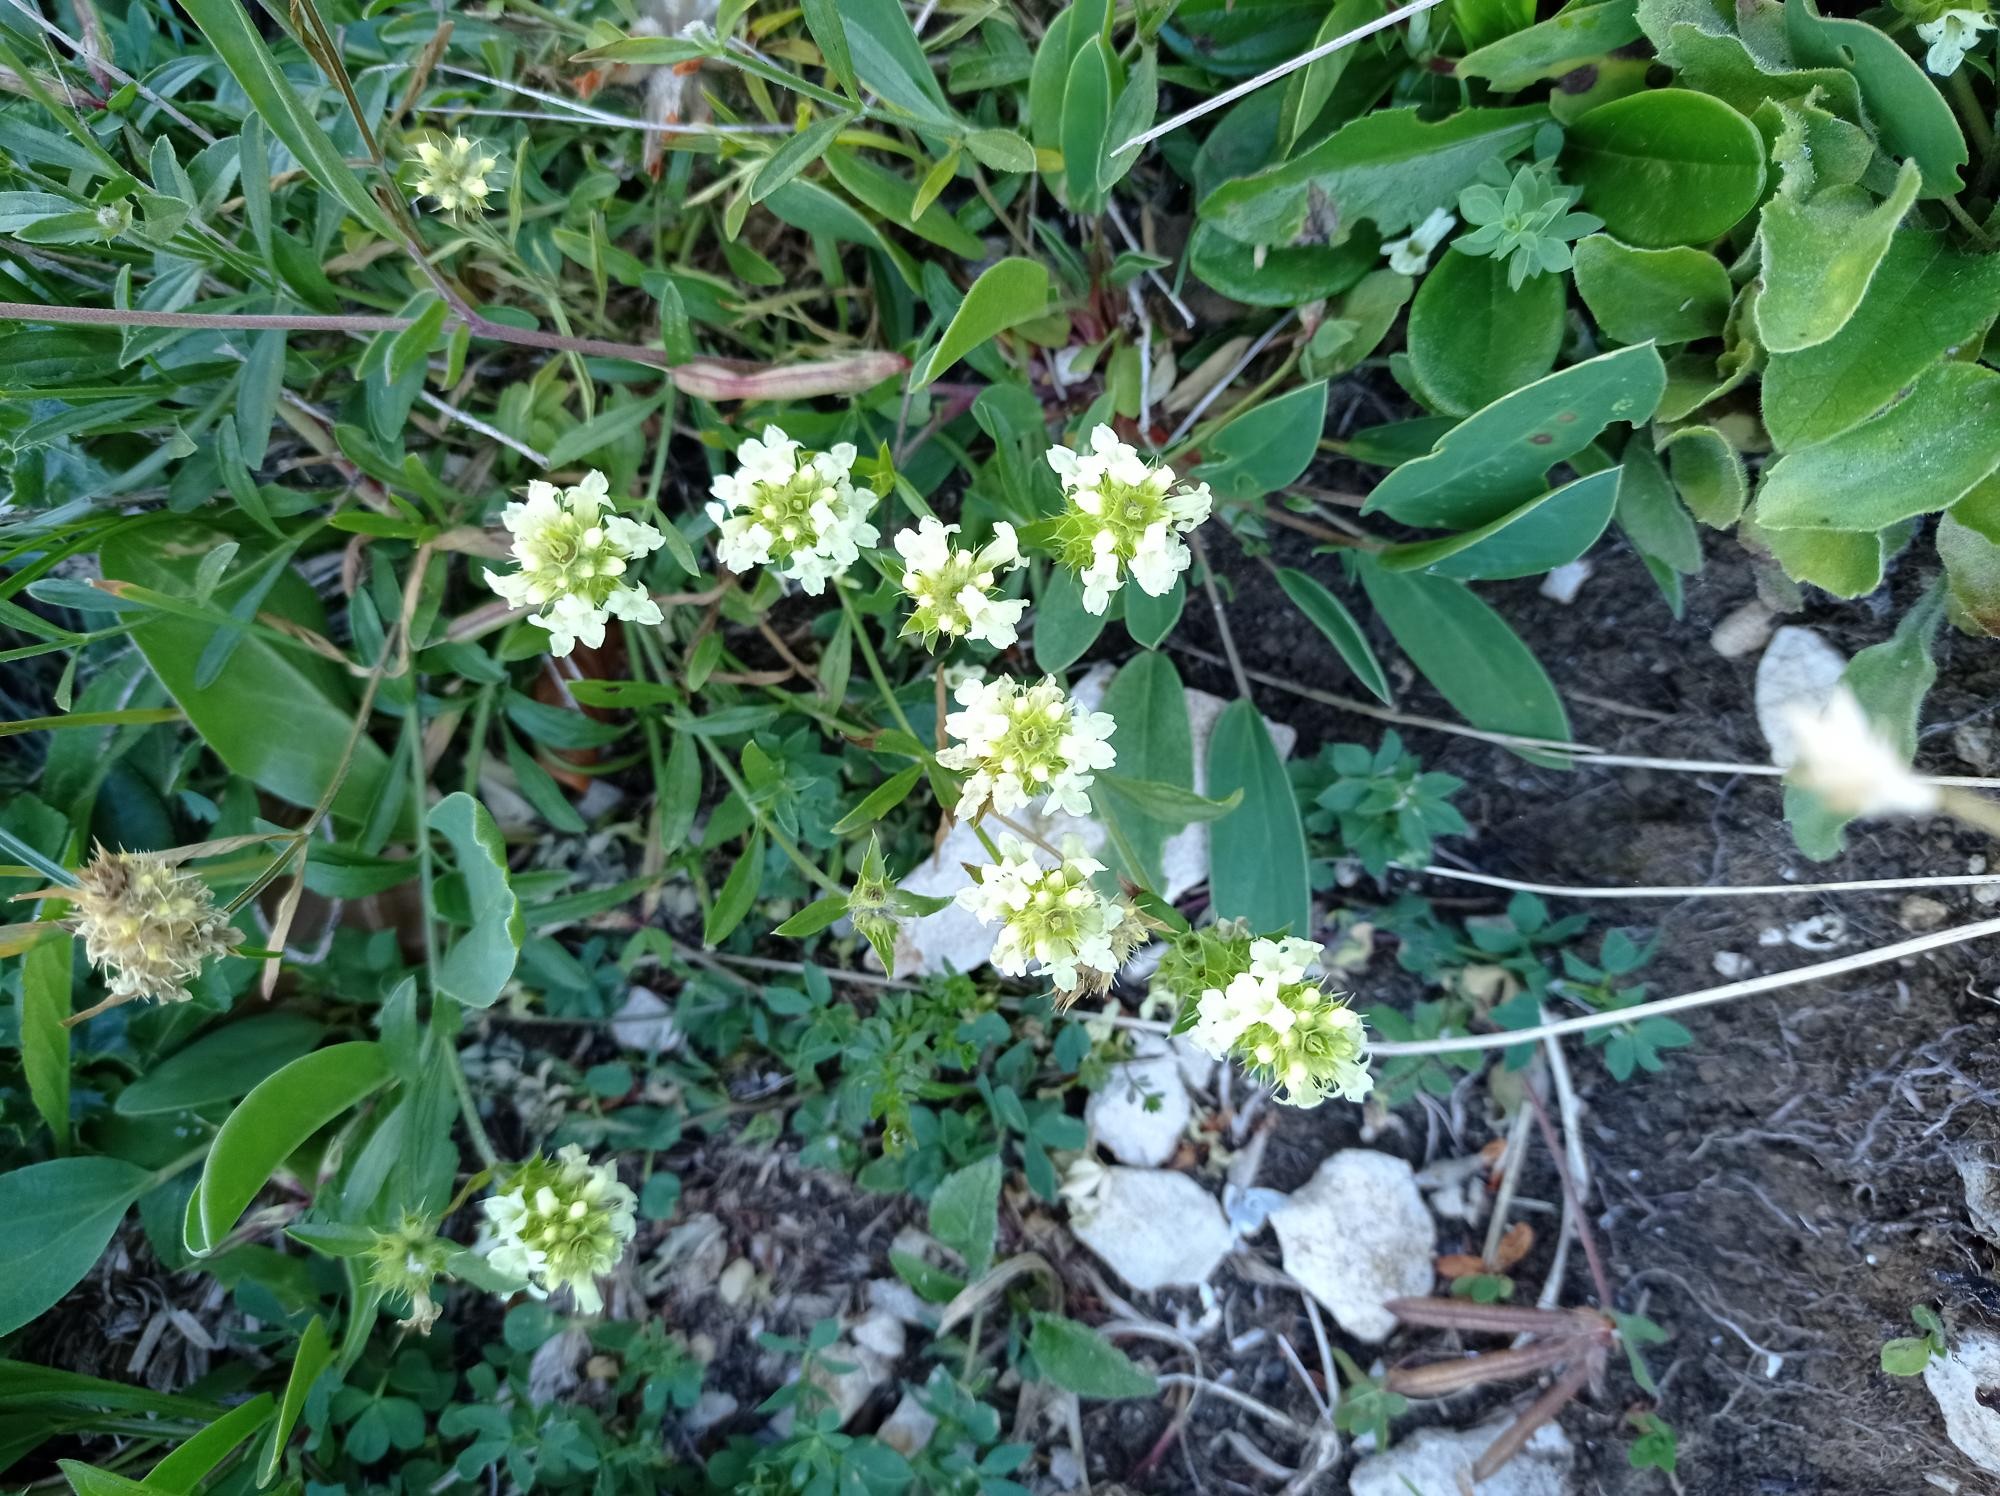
[475,1128]
[779,840]
[55,872]
[874,663]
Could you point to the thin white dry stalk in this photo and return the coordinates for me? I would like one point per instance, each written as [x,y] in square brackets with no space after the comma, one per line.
[1706,997]
[1705,891]
[1272,75]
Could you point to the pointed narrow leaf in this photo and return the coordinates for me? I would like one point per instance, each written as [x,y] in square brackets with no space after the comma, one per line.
[60,1215]
[476,968]
[1257,853]
[1330,616]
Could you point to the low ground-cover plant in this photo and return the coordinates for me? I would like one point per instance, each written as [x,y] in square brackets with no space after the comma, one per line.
[470,546]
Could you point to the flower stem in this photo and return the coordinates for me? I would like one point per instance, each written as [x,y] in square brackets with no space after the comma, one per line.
[874,663]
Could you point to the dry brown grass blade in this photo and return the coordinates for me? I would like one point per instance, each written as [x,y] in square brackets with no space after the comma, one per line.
[1538,1412]
[1499,1319]
[1441,1378]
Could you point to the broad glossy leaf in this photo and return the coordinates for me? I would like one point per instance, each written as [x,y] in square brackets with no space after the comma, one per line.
[480,961]
[1078,1359]
[1154,744]
[1468,652]
[1289,275]
[1473,338]
[1389,167]
[1086,125]
[1006,294]
[1911,118]
[221,1065]
[1330,616]
[1542,534]
[1266,447]
[1063,630]
[1919,456]
[1257,853]
[1495,460]
[269,1125]
[1575,35]
[1927,297]
[1819,258]
[1652,295]
[234,713]
[1668,166]
[1150,619]
[1131,115]
[60,1214]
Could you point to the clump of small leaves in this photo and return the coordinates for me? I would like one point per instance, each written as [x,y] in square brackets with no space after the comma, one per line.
[1382,806]
[1627,1047]
[1908,1355]
[1525,219]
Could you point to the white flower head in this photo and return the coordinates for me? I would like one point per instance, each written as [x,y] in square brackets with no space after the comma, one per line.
[798,511]
[1951,36]
[453,174]
[560,1223]
[1277,1021]
[1848,762]
[1122,514]
[148,925]
[1054,918]
[573,553]
[1411,254]
[953,591]
[1018,742]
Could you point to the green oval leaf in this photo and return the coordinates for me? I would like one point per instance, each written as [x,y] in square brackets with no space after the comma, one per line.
[1652,295]
[1005,295]
[1473,338]
[481,960]
[1257,853]
[60,1216]
[1820,256]
[233,712]
[1668,166]
[269,1125]
[1911,118]
[1063,629]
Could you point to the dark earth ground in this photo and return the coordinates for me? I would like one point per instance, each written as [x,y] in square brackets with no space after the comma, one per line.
[1784,1189]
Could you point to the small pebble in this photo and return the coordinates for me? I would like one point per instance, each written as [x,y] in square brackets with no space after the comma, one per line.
[1745,629]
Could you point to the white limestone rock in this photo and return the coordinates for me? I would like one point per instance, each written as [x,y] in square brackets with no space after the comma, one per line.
[645,1021]
[1358,1235]
[1955,1380]
[1142,1111]
[1153,1228]
[1799,670]
[1438,1462]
